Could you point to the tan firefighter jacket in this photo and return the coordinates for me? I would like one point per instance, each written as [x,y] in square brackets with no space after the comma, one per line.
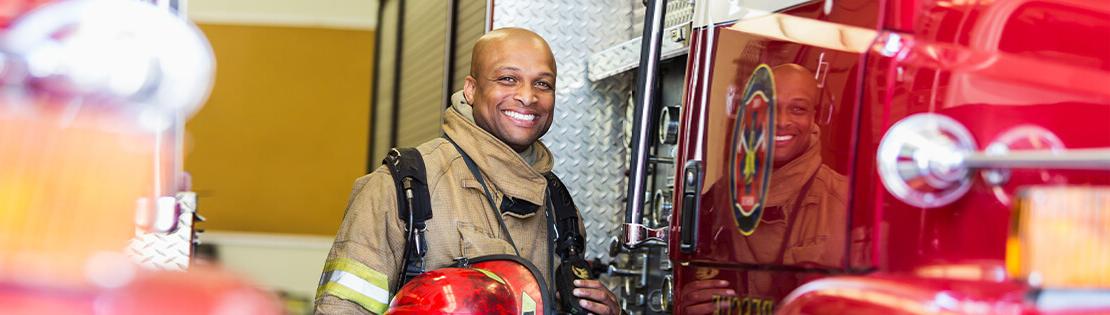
[365,259]
[816,238]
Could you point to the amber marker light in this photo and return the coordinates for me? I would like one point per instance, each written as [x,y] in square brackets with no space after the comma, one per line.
[1060,237]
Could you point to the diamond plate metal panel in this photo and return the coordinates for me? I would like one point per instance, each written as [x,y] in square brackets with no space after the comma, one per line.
[638,11]
[167,251]
[678,12]
[626,56]
[587,136]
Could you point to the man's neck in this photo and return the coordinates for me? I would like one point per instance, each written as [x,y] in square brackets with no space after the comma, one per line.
[467,111]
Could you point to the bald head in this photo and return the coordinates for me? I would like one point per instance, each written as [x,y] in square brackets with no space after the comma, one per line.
[796,78]
[492,44]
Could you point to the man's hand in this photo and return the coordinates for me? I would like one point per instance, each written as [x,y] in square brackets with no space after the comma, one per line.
[596,298]
[706,296]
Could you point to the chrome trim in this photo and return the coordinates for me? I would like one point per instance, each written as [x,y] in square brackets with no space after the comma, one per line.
[643,235]
[1081,159]
[644,95]
[1075,299]
[925,148]
[668,125]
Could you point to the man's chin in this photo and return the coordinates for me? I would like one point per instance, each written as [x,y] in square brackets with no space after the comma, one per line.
[518,143]
[778,162]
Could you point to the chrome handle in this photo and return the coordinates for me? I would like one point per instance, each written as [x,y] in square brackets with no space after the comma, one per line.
[1084,159]
[614,271]
[926,159]
[636,235]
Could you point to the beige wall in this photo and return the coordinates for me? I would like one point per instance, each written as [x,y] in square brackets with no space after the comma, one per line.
[344,14]
[285,131]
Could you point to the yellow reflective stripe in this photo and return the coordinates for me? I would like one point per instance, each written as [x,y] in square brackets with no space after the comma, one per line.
[351,280]
[346,286]
[339,290]
[491,275]
[358,269]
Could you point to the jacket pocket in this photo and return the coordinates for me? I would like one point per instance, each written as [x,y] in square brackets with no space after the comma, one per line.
[819,252]
[475,241]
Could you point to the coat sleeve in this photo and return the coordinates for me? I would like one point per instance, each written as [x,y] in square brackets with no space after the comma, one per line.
[363,262]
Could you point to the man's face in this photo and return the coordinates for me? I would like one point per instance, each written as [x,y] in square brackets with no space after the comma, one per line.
[512,89]
[797,95]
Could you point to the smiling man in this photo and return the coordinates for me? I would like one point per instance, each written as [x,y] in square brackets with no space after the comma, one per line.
[494,124]
[511,86]
[804,220]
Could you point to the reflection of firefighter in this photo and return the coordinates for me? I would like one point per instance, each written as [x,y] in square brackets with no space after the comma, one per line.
[490,161]
[805,217]
[77,154]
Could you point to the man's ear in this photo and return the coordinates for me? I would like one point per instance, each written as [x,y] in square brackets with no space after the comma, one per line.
[469,85]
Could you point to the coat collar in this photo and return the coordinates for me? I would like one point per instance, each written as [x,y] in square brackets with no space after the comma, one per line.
[787,181]
[502,166]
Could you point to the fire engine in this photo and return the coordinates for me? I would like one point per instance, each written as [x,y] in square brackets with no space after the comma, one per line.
[877,157]
[819,156]
[782,156]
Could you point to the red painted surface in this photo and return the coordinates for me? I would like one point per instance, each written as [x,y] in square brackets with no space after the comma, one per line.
[200,291]
[521,281]
[12,9]
[892,294]
[1000,68]
[454,291]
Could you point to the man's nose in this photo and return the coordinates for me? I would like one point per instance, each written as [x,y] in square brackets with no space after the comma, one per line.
[780,117]
[525,95]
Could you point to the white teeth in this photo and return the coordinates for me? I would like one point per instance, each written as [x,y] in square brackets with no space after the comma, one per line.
[519,116]
[783,138]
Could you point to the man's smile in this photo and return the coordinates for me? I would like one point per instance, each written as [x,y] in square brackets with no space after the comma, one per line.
[520,119]
[782,140]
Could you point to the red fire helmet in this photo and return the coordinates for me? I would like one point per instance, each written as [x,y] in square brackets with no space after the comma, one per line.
[498,284]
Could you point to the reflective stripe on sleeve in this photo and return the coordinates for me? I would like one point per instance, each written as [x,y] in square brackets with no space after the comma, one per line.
[350,280]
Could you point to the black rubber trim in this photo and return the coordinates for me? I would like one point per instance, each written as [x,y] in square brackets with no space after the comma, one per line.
[398,62]
[371,163]
[449,56]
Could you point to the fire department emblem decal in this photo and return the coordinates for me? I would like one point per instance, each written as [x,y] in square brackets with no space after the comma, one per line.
[752,144]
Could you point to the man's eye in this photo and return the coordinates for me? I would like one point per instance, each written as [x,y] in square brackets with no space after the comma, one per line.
[798,109]
[544,85]
[507,79]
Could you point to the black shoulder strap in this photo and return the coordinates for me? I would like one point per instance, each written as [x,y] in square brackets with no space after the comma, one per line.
[568,239]
[414,205]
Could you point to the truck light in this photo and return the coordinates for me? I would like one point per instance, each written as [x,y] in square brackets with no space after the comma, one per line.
[1060,237]
[921,160]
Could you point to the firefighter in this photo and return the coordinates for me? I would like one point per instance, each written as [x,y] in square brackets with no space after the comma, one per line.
[803,190]
[506,105]
[804,222]
[800,182]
